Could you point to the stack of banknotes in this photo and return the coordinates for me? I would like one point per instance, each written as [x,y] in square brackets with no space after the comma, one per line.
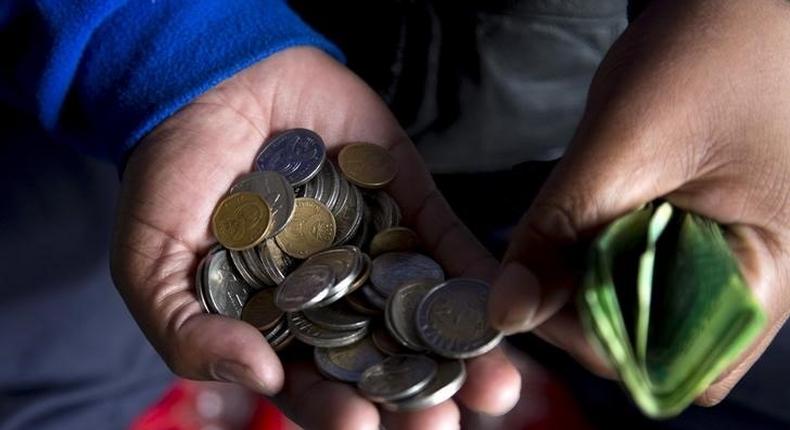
[664,299]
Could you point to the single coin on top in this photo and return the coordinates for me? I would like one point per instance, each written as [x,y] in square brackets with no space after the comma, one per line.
[452,319]
[297,154]
[312,229]
[304,287]
[260,310]
[347,363]
[240,220]
[394,239]
[367,165]
[397,377]
[449,379]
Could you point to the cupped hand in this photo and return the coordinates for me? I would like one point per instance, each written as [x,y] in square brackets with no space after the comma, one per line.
[691,104]
[175,177]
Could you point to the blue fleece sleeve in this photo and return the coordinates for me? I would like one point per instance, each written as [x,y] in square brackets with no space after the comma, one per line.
[100,74]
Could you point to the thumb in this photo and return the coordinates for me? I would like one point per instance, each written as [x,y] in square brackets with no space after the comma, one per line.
[615,164]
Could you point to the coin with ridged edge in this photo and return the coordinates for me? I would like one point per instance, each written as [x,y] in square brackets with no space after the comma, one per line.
[367,165]
[397,377]
[297,154]
[452,319]
[304,287]
[347,363]
[312,229]
[240,220]
[449,379]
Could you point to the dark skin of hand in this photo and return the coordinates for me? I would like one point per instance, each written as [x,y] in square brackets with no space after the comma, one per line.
[175,177]
[692,104]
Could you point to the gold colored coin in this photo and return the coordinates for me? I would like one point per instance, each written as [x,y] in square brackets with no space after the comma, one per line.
[311,229]
[367,165]
[394,239]
[240,220]
[261,312]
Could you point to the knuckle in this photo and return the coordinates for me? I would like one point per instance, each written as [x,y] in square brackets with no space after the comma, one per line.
[550,220]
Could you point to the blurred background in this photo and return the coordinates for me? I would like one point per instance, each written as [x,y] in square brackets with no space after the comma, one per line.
[464,78]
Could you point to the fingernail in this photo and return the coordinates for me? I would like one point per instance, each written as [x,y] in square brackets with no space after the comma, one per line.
[231,371]
[515,299]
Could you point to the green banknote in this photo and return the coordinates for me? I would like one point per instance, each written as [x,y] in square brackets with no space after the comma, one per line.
[664,300]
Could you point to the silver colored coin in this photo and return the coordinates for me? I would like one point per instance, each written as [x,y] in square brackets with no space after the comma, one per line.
[347,363]
[349,217]
[362,237]
[337,316]
[343,189]
[275,263]
[401,311]
[374,297]
[315,335]
[226,291]
[297,154]
[385,212]
[276,191]
[240,264]
[336,184]
[304,287]
[200,284]
[324,187]
[397,377]
[282,339]
[346,263]
[255,265]
[314,188]
[338,294]
[452,319]
[393,269]
[276,331]
[449,379]
[364,273]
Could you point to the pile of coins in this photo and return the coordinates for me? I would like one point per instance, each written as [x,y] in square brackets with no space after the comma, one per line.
[314,252]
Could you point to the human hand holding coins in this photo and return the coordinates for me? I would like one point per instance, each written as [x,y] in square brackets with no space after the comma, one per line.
[323,286]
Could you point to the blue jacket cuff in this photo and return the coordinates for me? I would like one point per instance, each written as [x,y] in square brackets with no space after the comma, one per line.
[150,58]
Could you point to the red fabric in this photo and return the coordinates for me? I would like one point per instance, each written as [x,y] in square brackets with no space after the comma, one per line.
[180,409]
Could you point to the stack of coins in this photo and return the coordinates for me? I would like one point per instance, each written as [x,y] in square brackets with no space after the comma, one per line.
[314,252]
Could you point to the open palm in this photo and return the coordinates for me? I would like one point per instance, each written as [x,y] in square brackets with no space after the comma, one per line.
[178,173]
